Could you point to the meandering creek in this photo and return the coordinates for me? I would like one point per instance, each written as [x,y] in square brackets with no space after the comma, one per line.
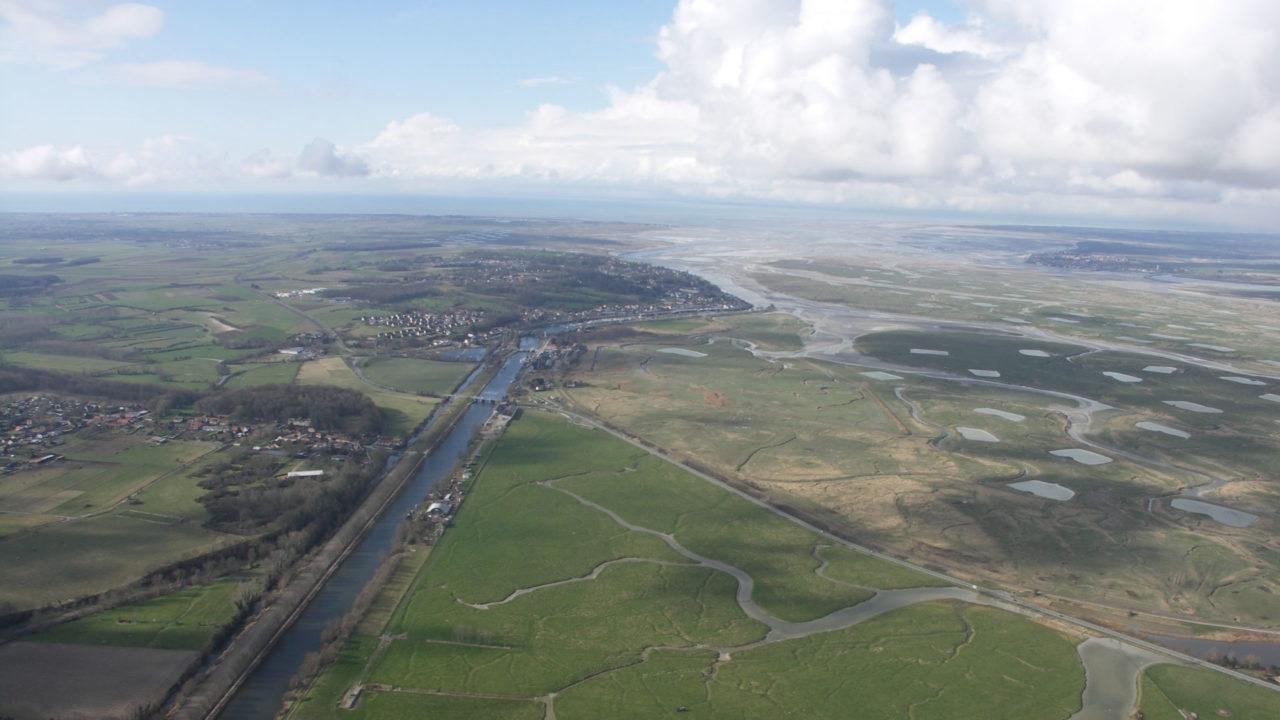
[1111,667]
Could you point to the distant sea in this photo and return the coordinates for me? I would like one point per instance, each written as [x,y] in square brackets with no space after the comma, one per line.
[665,210]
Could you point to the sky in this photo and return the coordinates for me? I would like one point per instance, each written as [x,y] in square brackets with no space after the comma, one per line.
[1167,111]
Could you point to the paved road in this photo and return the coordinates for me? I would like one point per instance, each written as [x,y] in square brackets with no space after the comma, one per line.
[1019,603]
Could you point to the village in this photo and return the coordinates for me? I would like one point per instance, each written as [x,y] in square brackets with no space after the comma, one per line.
[36,426]
[441,327]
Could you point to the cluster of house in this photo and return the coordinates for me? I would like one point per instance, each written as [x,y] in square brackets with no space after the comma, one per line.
[295,437]
[34,425]
[442,326]
[298,436]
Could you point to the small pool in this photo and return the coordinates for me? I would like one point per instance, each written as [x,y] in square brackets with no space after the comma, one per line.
[1047,490]
[1082,456]
[683,352]
[1224,515]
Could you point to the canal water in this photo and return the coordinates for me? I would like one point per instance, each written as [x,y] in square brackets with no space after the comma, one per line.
[260,696]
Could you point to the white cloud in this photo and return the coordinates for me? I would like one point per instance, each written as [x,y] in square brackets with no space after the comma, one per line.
[928,33]
[1029,106]
[322,158]
[49,33]
[46,162]
[162,159]
[184,74]
[544,81]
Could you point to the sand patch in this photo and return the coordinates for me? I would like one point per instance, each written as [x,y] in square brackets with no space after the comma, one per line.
[1215,348]
[1163,336]
[1162,369]
[1128,338]
[1270,396]
[1015,321]
[985,373]
[1034,353]
[926,351]
[216,325]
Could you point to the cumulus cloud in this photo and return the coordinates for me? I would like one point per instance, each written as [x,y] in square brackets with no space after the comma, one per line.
[46,162]
[49,33]
[1028,106]
[1162,100]
[163,159]
[322,158]
[928,33]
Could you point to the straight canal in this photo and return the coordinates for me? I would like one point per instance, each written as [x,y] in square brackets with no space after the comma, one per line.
[259,697]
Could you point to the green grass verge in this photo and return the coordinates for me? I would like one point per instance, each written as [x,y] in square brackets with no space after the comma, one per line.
[183,620]
[1170,691]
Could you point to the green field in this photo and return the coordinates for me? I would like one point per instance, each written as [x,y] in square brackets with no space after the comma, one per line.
[617,624]
[182,620]
[262,374]
[158,525]
[98,472]
[1169,692]
[404,411]
[63,363]
[93,555]
[428,377]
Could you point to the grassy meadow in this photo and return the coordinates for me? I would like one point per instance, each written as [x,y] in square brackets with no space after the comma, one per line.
[415,375]
[182,620]
[532,594]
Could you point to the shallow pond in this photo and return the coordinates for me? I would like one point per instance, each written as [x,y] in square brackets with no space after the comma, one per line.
[1047,490]
[684,352]
[977,434]
[1157,427]
[1241,380]
[1122,377]
[878,375]
[1082,456]
[1224,515]
[1268,653]
[1002,414]
[1193,407]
